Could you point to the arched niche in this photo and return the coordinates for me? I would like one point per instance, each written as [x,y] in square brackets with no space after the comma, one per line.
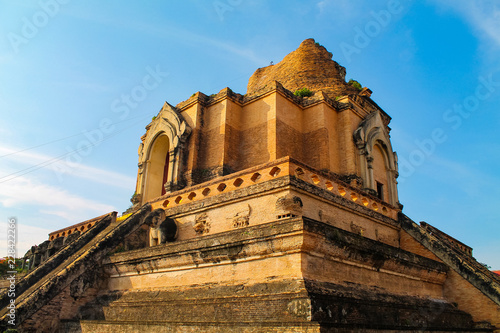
[161,154]
[377,161]
[381,167]
[157,167]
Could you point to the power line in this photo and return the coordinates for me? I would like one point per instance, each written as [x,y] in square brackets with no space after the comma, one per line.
[65,138]
[40,145]
[38,166]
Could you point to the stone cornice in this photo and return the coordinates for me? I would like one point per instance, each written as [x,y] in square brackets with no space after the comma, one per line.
[242,100]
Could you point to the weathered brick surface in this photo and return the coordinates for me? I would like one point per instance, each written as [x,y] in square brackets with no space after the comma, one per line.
[310,66]
[408,243]
[253,146]
[157,327]
[471,299]
[72,279]
[266,243]
[468,285]
[351,302]
[323,297]
[35,277]
[289,141]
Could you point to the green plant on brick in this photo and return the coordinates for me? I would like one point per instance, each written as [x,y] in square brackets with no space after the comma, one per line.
[304,92]
[355,84]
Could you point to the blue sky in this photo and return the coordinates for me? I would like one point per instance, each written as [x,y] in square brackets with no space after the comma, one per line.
[74,72]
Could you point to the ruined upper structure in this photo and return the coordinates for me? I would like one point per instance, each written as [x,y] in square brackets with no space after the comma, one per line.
[338,130]
[310,66]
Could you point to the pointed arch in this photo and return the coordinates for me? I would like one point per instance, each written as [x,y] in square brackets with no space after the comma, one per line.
[160,154]
[157,167]
[378,162]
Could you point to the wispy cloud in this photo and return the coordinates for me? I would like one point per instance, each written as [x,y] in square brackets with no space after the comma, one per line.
[483,16]
[56,164]
[180,34]
[6,59]
[186,36]
[23,190]
[43,203]
[471,180]
[343,10]
[26,237]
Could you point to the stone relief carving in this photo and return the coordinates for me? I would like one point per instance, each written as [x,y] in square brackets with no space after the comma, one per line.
[202,224]
[288,206]
[357,229]
[242,218]
[140,151]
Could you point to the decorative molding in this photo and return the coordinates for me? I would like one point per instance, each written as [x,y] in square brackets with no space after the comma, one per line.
[372,131]
[202,224]
[169,122]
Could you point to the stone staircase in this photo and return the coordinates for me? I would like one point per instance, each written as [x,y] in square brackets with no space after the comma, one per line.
[465,265]
[71,276]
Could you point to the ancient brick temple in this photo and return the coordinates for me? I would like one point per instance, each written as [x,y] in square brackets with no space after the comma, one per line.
[264,212]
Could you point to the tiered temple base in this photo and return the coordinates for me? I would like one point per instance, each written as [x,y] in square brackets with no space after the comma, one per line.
[262,281]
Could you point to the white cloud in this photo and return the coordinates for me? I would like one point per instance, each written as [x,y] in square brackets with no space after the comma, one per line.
[64,166]
[23,190]
[183,35]
[45,202]
[484,16]
[27,236]
[67,215]
[342,9]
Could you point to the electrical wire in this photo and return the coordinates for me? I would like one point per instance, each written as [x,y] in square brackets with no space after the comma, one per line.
[38,166]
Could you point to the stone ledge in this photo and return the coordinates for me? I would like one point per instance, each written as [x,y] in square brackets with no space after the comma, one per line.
[210,242]
[367,249]
[301,304]
[187,327]
[284,237]
[251,181]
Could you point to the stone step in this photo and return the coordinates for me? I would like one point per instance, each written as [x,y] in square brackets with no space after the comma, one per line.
[82,267]
[35,279]
[298,304]
[167,327]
